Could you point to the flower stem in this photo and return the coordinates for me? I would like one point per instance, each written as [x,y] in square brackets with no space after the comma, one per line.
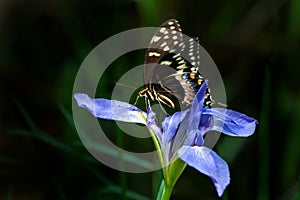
[158,150]
[165,191]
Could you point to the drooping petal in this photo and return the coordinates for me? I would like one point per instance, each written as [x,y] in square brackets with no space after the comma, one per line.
[207,162]
[228,122]
[111,109]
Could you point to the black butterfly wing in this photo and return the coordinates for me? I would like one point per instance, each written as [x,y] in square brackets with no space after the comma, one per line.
[188,73]
[180,74]
[189,49]
[181,79]
[168,35]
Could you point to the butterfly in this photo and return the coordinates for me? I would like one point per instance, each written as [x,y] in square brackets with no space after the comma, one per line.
[171,68]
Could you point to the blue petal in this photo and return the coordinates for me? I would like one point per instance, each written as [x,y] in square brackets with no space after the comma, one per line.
[207,162]
[228,122]
[151,122]
[180,136]
[190,124]
[111,109]
[194,136]
[170,125]
[199,140]
[198,101]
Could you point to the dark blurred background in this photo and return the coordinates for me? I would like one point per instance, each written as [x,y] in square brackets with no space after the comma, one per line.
[255,45]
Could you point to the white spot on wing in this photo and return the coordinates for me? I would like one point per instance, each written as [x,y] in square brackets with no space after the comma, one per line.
[163,44]
[166,62]
[166,48]
[154,54]
[181,62]
[156,38]
[183,66]
[162,29]
[175,56]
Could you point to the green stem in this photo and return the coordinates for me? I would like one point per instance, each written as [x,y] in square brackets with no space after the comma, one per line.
[167,184]
[158,149]
[165,191]
[171,173]
[161,190]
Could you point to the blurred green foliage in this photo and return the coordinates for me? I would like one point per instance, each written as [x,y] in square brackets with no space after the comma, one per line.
[255,44]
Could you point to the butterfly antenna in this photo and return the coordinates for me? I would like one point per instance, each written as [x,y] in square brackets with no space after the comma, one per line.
[125,85]
[222,104]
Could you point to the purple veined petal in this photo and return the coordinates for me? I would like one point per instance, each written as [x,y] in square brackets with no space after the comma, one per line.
[111,109]
[151,122]
[230,122]
[207,162]
[170,125]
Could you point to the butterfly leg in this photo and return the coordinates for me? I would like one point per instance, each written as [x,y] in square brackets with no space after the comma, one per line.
[136,100]
[147,103]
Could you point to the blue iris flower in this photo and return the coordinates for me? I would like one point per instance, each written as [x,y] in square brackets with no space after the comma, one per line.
[182,134]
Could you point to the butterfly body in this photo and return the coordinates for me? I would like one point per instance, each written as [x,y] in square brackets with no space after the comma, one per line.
[171,73]
[157,92]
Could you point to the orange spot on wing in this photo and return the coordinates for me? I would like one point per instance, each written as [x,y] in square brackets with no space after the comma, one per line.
[192,75]
[199,81]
